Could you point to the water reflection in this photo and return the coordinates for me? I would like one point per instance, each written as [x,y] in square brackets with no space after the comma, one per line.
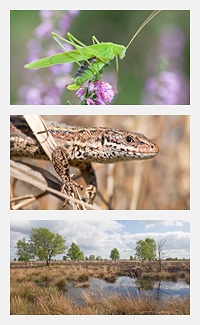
[145,284]
[128,286]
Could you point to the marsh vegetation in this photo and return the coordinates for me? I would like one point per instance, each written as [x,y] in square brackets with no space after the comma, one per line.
[104,288]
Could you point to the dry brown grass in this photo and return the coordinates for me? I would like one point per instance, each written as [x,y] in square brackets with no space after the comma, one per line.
[59,304]
[40,292]
[179,306]
[81,285]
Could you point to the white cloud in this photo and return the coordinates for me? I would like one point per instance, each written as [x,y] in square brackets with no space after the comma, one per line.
[165,223]
[21,226]
[98,237]
[176,242]
[92,236]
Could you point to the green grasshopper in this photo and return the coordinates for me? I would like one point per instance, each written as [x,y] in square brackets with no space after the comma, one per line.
[95,56]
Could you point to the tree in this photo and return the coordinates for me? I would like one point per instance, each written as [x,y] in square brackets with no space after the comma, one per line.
[64,258]
[45,244]
[114,255]
[98,258]
[152,248]
[146,249]
[23,251]
[131,258]
[161,254]
[74,253]
[91,257]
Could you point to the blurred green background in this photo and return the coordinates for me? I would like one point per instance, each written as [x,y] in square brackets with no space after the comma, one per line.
[107,25]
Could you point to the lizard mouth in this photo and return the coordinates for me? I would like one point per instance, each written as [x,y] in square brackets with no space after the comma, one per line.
[154,148]
[150,152]
[147,155]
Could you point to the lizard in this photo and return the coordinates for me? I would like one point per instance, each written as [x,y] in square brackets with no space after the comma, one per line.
[78,147]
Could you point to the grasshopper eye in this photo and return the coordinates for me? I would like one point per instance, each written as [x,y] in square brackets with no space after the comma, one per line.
[129,139]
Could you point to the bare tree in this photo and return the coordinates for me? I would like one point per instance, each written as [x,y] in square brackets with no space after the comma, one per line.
[161,254]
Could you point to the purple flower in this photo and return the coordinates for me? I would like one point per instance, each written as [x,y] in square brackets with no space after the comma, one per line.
[89,101]
[44,14]
[73,13]
[104,91]
[33,96]
[81,93]
[170,86]
[44,29]
[99,102]
[67,19]
[96,93]
[64,23]
[34,48]
[47,86]
[172,42]
[90,86]
[51,100]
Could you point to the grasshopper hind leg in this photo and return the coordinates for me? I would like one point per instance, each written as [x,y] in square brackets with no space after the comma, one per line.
[80,74]
[84,67]
[85,72]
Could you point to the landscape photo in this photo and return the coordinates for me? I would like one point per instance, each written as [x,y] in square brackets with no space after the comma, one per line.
[100,267]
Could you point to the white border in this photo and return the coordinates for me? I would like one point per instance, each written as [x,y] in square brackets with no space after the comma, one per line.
[193,111]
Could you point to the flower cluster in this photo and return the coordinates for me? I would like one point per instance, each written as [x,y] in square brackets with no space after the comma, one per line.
[96,93]
[47,88]
[168,86]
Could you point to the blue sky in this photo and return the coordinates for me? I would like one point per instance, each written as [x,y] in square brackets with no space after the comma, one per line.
[137,226]
[99,237]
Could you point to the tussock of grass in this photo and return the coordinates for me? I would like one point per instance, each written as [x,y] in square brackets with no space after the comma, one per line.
[179,306]
[53,305]
[117,305]
[81,285]
[19,306]
[59,304]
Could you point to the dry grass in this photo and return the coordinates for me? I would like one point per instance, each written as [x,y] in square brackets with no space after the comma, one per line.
[41,292]
[59,304]
[176,307]
[58,276]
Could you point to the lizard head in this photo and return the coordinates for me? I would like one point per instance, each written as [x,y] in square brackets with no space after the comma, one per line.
[121,145]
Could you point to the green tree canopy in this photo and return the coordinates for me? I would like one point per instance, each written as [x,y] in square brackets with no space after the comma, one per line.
[146,249]
[64,258]
[114,255]
[91,257]
[45,244]
[23,251]
[74,253]
[98,258]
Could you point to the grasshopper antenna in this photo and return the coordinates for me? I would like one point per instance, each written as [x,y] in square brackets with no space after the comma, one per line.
[153,14]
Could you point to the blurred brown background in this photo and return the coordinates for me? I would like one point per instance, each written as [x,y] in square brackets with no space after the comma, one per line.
[162,183]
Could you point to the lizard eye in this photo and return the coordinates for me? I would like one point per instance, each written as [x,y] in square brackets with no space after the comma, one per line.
[129,139]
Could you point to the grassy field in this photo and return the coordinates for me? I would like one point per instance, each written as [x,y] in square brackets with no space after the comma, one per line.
[29,297]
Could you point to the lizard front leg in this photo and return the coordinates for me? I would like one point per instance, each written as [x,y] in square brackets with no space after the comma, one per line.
[90,178]
[61,165]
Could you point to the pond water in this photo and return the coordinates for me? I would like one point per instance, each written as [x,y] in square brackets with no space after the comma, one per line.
[124,286]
